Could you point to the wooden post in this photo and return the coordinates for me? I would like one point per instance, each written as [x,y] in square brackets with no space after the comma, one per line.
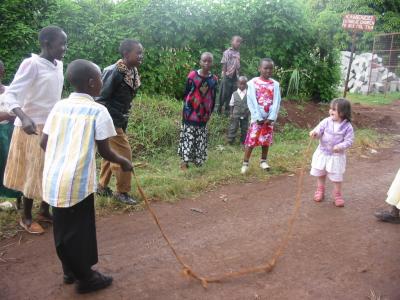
[370,69]
[353,44]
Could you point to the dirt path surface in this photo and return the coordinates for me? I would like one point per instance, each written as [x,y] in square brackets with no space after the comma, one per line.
[335,253]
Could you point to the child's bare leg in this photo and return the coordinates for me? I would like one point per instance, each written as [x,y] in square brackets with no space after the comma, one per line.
[247,154]
[321,181]
[337,188]
[264,152]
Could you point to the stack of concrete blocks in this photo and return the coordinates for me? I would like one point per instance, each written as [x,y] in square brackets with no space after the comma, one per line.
[382,80]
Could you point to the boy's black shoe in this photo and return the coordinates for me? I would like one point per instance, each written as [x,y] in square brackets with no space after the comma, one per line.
[104,191]
[69,279]
[125,198]
[96,282]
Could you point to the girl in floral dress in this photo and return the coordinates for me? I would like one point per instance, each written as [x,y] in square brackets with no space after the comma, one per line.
[263,100]
[199,101]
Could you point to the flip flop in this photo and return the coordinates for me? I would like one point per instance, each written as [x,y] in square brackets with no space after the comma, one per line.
[386,216]
[41,218]
[34,228]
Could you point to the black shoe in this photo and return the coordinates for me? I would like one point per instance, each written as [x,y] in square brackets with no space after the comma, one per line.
[96,282]
[68,279]
[104,191]
[125,198]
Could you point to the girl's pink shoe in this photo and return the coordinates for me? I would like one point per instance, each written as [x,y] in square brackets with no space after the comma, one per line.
[319,194]
[339,202]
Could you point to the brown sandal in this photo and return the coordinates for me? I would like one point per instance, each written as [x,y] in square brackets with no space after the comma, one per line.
[33,228]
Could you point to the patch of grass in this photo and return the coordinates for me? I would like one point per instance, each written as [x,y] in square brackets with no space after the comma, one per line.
[374,99]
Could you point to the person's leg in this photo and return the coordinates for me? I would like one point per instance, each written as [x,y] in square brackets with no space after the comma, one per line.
[233,127]
[44,213]
[244,126]
[337,193]
[320,192]
[121,146]
[247,154]
[105,177]
[221,96]
[231,87]
[263,161]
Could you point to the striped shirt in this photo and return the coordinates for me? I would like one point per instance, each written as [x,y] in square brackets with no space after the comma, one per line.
[73,126]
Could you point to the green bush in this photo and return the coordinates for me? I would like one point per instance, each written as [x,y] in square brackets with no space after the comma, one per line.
[174,33]
[156,121]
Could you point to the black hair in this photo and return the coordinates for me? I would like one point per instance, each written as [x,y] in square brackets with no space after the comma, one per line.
[244,78]
[127,46]
[207,53]
[343,108]
[80,71]
[49,34]
[267,59]
[237,37]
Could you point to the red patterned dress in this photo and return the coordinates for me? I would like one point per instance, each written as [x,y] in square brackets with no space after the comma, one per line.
[261,134]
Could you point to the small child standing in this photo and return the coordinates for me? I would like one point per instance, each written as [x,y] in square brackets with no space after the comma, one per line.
[263,100]
[72,131]
[335,135]
[199,101]
[121,83]
[36,88]
[239,112]
[6,129]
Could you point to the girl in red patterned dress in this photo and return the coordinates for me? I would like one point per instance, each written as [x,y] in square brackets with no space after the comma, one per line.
[199,101]
[263,100]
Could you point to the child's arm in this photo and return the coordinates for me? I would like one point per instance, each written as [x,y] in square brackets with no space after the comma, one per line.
[108,154]
[319,129]
[13,97]
[6,117]
[347,141]
[252,102]
[43,141]
[223,62]
[274,110]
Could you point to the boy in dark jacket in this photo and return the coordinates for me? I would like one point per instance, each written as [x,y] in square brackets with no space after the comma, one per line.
[120,84]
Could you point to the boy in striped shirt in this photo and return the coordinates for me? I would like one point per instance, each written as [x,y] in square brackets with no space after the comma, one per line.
[72,131]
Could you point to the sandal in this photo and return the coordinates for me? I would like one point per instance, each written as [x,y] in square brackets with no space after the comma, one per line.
[386,216]
[339,201]
[319,194]
[33,228]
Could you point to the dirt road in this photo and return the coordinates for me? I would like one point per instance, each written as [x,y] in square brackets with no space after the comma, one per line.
[335,253]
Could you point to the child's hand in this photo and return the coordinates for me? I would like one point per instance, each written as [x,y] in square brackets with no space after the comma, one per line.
[126,165]
[336,149]
[28,126]
[313,134]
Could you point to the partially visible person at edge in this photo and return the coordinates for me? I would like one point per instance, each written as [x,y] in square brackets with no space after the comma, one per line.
[393,199]
[121,82]
[230,74]
[199,101]
[6,130]
[36,88]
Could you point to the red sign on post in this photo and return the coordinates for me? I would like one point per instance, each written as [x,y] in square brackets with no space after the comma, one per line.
[358,22]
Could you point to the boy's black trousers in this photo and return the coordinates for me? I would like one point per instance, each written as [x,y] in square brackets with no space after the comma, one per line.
[75,238]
